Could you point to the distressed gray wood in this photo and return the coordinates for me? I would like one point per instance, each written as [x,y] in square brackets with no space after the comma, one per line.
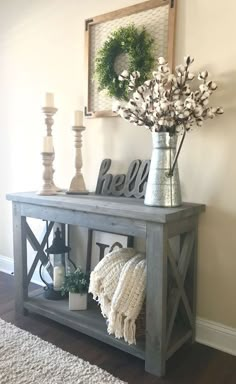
[110,206]
[129,217]
[182,226]
[156,299]
[89,250]
[89,322]
[39,247]
[20,258]
[105,223]
[178,344]
[180,273]
[193,282]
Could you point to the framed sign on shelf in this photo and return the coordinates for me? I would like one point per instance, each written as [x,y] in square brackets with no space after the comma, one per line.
[158,18]
[100,243]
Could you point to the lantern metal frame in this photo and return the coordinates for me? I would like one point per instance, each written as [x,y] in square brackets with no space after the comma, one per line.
[58,247]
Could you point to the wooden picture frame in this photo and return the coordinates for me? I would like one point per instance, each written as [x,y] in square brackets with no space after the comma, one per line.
[100,243]
[95,103]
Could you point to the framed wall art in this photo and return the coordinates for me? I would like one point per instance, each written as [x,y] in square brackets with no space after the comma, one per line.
[100,243]
[155,17]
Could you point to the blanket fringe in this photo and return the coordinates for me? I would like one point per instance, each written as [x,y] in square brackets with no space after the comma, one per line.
[129,331]
[116,324]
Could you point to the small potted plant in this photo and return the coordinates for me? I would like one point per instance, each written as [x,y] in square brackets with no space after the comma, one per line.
[76,284]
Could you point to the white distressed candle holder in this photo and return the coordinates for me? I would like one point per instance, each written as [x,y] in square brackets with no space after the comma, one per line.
[49,121]
[77,185]
[48,187]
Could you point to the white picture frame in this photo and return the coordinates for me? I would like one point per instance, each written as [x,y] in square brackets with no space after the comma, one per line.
[100,243]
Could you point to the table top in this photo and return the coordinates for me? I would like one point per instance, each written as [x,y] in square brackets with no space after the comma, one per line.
[107,205]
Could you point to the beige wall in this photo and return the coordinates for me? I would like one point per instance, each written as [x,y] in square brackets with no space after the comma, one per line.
[41,49]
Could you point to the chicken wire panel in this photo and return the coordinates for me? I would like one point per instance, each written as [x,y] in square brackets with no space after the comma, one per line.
[155,22]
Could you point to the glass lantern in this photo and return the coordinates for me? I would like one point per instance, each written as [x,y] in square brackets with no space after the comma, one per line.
[59,260]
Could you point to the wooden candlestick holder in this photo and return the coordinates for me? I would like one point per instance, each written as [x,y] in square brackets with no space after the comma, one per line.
[49,121]
[48,187]
[77,185]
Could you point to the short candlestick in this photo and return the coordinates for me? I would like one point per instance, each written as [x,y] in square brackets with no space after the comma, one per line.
[47,188]
[77,185]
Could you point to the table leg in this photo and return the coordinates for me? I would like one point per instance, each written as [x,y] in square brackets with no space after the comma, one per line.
[193,266]
[20,258]
[156,299]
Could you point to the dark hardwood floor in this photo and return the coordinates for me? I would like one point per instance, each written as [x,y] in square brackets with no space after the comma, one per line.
[196,364]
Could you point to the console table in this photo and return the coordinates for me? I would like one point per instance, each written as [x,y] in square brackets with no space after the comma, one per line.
[171,273]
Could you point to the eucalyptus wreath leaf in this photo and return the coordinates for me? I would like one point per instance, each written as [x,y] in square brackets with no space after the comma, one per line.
[138,45]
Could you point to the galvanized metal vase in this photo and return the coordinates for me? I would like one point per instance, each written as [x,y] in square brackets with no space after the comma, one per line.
[163,189]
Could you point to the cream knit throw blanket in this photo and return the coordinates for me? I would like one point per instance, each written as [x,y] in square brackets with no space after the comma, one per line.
[118,283]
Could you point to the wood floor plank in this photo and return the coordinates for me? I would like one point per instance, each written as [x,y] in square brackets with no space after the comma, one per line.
[196,364]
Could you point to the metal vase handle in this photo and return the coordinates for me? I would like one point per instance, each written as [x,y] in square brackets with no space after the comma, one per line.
[172,168]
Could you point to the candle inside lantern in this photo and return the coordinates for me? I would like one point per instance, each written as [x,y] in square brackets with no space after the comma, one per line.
[58,277]
[49,100]
[48,144]
[78,118]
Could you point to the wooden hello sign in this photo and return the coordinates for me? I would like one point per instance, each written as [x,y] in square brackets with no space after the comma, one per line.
[133,184]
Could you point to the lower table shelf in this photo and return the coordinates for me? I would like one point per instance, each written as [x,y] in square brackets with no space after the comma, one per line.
[92,323]
[89,322]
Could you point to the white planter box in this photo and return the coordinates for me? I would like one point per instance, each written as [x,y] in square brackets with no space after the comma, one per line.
[77,302]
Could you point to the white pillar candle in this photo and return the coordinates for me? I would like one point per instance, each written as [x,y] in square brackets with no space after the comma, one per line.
[49,100]
[78,118]
[47,144]
[58,277]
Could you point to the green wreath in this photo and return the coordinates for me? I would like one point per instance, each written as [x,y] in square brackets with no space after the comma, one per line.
[138,46]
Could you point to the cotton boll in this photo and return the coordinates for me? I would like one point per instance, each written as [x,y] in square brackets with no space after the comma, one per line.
[203,88]
[180,69]
[141,89]
[203,75]
[115,106]
[158,109]
[161,121]
[136,96]
[210,114]
[186,113]
[148,83]
[212,85]
[131,104]
[219,111]
[161,60]
[199,123]
[198,111]
[205,102]
[164,106]
[125,73]
[133,120]
[191,76]
[172,79]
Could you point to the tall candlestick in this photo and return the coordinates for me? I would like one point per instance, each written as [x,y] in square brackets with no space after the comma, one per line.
[48,144]
[49,121]
[78,119]
[49,100]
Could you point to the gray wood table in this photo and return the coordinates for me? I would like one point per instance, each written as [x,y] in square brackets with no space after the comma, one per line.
[171,252]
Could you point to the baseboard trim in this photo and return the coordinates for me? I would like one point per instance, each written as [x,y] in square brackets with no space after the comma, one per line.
[216,335]
[7,266]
